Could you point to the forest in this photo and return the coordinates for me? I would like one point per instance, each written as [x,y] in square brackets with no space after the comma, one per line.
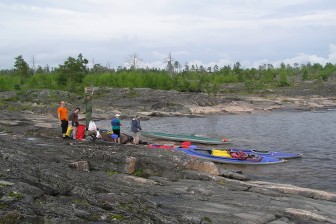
[74,74]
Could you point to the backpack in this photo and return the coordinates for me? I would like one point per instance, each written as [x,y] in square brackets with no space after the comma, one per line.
[92,126]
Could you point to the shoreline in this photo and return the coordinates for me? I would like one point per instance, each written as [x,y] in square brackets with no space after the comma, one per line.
[46,178]
[147,102]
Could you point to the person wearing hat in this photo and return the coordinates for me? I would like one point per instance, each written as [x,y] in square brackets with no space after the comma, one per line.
[136,128]
[115,122]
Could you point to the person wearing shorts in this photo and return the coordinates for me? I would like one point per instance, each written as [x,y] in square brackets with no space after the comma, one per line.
[74,122]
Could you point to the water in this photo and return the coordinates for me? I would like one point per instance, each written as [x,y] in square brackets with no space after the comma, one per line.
[308,133]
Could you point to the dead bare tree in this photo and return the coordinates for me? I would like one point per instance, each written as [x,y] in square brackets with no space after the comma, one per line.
[134,61]
[170,64]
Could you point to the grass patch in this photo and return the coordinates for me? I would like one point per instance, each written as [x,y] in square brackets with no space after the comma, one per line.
[16,195]
[111,173]
[222,182]
[138,173]
[79,201]
[116,217]
[206,219]
[20,107]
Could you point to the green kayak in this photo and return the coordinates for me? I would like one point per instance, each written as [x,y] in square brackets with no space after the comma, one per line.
[185,138]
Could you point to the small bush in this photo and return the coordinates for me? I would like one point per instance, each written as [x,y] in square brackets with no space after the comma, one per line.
[138,173]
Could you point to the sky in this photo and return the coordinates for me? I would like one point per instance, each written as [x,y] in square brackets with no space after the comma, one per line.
[199,32]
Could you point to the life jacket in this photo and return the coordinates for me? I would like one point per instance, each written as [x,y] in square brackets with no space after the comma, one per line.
[115,122]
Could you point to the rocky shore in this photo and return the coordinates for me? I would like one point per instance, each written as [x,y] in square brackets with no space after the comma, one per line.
[44,179]
[149,102]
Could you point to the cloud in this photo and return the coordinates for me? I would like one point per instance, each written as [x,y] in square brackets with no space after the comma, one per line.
[208,32]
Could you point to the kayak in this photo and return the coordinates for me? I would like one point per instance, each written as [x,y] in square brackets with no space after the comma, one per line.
[279,155]
[223,156]
[185,137]
[227,157]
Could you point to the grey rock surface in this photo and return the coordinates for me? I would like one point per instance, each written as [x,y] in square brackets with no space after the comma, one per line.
[45,179]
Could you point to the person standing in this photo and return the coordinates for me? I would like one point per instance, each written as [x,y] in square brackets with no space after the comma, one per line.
[136,128]
[62,113]
[74,122]
[88,107]
[115,122]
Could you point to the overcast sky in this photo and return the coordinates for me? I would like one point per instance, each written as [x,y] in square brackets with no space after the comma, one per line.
[202,32]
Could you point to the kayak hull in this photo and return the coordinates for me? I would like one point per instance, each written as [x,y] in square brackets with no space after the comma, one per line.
[206,154]
[203,155]
[184,138]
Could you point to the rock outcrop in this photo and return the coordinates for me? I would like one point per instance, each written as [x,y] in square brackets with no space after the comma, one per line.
[51,180]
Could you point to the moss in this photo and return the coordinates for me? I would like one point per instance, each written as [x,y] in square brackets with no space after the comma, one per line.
[222,182]
[116,217]
[111,173]
[79,201]
[206,219]
[127,206]
[3,205]
[16,195]
[11,108]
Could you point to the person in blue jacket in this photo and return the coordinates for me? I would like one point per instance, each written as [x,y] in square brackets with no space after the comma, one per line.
[115,122]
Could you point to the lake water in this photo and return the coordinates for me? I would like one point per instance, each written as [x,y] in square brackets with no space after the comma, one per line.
[311,134]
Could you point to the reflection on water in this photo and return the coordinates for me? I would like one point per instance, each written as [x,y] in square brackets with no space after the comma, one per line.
[311,134]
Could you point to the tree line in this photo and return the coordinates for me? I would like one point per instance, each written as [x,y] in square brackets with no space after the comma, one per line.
[74,74]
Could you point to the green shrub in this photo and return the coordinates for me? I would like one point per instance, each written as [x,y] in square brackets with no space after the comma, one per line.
[9,82]
[138,173]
